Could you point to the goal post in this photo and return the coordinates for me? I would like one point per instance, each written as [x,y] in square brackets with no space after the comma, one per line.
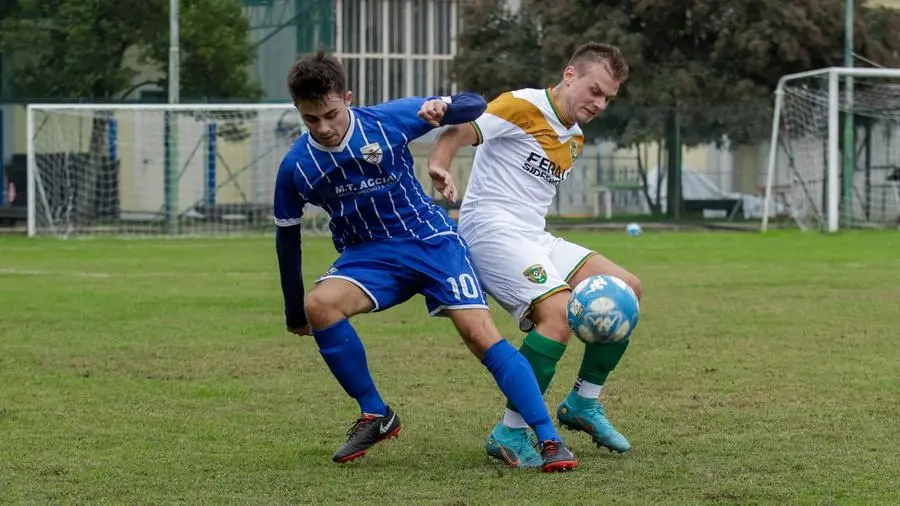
[157,169]
[805,148]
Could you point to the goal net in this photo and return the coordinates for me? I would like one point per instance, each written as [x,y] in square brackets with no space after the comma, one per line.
[157,169]
[823,179]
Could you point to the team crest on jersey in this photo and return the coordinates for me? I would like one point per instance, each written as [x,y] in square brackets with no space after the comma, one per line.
[536,274]
[574,147]
[372,153]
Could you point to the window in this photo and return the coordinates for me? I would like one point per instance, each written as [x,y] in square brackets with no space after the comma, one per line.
[373,88]
[420,26]
[397,26]
[443,11]
[397,78]
[351,65]
[394,48]
[420,78]
[374,16]
[349,26]
[443,83]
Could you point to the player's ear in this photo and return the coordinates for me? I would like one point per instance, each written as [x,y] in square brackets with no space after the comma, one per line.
[568,75]
[348,97]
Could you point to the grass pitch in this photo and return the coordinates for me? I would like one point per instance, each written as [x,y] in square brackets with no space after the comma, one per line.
[764,370]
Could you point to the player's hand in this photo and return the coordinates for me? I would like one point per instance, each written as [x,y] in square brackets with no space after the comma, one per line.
[433,111]
[443,182]
[300,331]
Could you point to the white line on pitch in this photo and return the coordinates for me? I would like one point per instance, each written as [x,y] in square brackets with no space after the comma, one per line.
[85,274]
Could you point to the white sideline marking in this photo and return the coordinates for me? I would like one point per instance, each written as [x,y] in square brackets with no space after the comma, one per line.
[34,272]
[104,275]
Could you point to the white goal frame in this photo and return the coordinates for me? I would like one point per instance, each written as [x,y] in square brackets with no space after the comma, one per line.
[32,170]
[834,161]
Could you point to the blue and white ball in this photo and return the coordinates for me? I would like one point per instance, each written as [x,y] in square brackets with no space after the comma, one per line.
[633,229]
[602,310]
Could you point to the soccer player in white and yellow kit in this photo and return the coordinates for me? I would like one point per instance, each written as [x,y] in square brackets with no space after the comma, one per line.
[528,141]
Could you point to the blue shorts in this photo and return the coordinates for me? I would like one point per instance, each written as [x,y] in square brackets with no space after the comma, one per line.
[393,270]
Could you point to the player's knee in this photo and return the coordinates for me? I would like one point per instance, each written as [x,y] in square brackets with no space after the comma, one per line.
[556,328]
[321,309]
[334,300]
[313,303]
[476,329]
[549,316]
[635,283]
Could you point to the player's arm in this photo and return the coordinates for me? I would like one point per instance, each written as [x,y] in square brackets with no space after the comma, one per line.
[419,115]
[503,117]
[460,108]
[288,212]
[442,153]
[449,143]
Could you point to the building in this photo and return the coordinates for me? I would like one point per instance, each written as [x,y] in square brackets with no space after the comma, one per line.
[391,48]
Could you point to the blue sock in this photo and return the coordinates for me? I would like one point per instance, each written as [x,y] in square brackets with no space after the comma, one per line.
[342,350]
[516,380]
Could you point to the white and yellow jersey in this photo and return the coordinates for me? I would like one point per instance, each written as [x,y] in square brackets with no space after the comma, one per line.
[525,149]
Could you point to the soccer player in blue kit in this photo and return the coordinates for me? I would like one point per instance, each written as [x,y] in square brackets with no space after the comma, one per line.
[393,243]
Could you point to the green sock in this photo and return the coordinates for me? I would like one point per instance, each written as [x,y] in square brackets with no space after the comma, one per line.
[543,354]
[600,360]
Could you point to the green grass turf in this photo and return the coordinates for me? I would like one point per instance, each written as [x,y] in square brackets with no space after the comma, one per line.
[764,370]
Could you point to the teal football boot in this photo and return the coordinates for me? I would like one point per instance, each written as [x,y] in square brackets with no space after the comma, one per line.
[587,415]
[515,447]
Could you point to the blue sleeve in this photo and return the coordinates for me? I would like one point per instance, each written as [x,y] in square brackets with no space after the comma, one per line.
[288,211]
[290,261]
[461,108]
[289,203]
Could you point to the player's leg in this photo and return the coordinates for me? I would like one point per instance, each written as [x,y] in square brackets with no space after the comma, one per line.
[516,270]
[515,378]
[355,284]
[328,307]
[582,409]
[452,289]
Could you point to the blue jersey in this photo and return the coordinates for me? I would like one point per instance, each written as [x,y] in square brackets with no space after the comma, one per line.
[366,184]
[394,242]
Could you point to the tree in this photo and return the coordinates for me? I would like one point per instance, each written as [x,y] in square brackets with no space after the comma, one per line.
[216,50]
[498,50]
[881,40]
[74,50]
[7,7]
[709,65]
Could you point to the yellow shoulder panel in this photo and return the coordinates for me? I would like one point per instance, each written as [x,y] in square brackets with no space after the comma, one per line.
[529,117]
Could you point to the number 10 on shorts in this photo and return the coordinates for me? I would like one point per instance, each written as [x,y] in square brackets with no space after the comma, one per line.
[465,284]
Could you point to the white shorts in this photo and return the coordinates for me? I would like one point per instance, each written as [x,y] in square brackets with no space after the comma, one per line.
[519,269]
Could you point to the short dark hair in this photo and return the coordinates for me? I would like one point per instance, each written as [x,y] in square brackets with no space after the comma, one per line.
[600,52]
[315,77]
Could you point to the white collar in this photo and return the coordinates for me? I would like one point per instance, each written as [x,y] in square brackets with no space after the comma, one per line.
[343,145]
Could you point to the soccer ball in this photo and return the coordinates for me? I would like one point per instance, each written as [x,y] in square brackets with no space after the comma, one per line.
[602,310]
[633,229]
